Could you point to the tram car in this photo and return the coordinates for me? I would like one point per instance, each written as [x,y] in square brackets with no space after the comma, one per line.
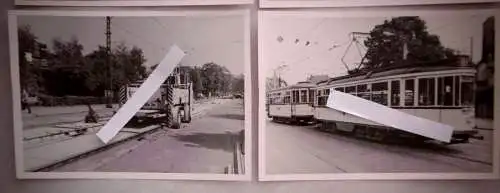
[292,104]
[444,94]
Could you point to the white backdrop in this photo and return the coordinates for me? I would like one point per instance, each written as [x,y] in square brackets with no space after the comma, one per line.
[8,183]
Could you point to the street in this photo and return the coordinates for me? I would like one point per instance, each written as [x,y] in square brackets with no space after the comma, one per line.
[206,145]
[295,149]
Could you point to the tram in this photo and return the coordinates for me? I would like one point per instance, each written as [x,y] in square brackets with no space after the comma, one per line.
[443,94]
[292,104]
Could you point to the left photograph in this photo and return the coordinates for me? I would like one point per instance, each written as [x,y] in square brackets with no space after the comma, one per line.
[164,95]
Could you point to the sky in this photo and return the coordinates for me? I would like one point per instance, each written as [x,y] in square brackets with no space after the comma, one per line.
[319,58]
[218,39]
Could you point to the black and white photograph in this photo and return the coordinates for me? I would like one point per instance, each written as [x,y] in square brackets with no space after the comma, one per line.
[129,3]
[361,3]
[77,73]
[434,67]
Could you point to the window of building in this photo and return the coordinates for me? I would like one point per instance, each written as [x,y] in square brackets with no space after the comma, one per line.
[395,93]
[426,91]
[379,92]
[409,92]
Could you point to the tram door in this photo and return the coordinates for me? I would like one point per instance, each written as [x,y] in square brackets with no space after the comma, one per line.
[294,102]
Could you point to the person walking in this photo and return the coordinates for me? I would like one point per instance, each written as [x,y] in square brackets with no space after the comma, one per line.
[24,101]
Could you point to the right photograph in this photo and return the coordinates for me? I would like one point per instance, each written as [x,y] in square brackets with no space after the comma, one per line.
[376,96]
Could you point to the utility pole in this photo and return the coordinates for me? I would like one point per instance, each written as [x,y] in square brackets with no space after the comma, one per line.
[471,48]
[108,61]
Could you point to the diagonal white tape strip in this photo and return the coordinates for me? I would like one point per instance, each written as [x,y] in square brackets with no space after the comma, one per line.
[142,95]
[387,116]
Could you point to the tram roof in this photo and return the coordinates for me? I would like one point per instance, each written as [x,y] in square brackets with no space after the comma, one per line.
[390,71]
[304,84]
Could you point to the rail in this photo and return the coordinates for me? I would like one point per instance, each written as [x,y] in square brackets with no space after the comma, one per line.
[66,161]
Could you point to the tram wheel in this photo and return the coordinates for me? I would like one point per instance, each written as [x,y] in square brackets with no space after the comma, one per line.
[380,135]
[359,131]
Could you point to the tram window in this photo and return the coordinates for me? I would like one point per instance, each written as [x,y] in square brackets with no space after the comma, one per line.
[395,93]
[341,89]
[322,100]
[379,92]
[467,93]
[311,96]
[303,96]
[426,91]
[295,96]
[457,91]
[445,91]
[326,92]
[286,100]
[350,89]
[362,88]
[363,92]
[409,92]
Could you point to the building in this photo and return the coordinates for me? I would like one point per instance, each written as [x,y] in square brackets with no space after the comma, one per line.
[485,72]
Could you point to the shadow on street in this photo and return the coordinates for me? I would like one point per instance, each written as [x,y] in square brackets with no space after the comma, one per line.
[230,116]
[218,141]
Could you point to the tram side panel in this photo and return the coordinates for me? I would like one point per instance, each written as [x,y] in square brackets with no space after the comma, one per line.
[291,112]
[303,112]
[460,119]
[280,111]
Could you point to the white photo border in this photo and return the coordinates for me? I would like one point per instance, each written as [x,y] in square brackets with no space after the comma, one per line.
[263,176]
[360,3]
[130,3]
[17,118]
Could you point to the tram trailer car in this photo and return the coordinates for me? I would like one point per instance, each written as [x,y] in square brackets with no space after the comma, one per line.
[171,104]
[443,94]
[293,104]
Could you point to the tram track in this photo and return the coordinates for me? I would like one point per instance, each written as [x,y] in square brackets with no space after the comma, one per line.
[420,151]
[77,157]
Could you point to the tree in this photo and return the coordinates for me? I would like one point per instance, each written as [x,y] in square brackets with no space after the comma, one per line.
[196,80]
[28,46]
[97,61]
[127,66]
[403,40]
[68,70]
[216,79]
[238,84]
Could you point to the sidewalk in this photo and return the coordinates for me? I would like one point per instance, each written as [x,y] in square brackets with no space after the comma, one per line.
[41,156]
[50,116]
[38,111]
[44,151]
